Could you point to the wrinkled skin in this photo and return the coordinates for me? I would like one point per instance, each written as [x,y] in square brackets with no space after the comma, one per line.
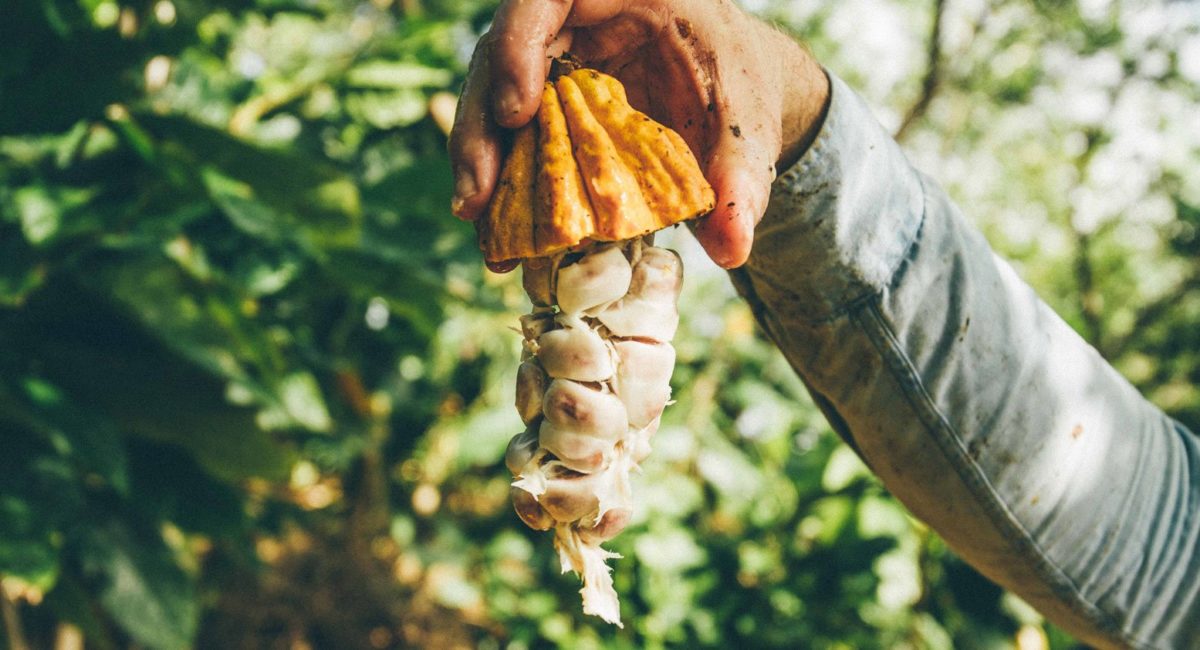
[745,98]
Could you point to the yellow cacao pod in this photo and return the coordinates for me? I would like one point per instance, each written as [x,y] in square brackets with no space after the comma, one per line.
[589,167]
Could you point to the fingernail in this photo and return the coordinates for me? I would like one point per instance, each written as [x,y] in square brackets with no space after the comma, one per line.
[508,102]
[464,188]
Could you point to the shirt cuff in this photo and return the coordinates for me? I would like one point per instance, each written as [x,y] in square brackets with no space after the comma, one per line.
[840,221]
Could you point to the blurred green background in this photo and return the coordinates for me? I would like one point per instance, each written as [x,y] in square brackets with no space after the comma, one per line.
[255,385]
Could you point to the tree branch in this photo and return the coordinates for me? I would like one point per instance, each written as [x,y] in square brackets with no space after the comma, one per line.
[1090,304]
[1090,298]
[933,72]
[14,634]
[68,637]
[1152,312]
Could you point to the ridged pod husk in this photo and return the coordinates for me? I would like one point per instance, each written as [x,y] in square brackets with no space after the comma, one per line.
[589,168]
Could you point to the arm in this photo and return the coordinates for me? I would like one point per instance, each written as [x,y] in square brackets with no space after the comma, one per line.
[977,406]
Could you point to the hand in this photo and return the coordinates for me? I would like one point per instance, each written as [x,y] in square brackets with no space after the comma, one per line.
[745,97]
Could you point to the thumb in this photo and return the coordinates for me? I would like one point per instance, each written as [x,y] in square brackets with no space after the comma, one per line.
[741,169]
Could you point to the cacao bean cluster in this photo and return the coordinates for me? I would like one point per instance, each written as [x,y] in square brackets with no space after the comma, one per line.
[592,385]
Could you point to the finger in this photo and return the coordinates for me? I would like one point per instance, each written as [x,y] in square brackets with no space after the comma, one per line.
[474,145]
[741,171]
[586,13]
[523,30]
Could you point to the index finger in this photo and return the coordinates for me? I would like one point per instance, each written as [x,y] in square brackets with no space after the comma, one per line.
[522,31]
[474,146]
[504,87]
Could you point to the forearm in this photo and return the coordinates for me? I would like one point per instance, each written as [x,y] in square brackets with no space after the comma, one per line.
[977,406]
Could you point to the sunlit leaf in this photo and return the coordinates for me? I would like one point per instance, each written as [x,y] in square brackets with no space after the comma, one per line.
[389,74]
[301,397]
[140,585]
[257,185]
[388,110]
[108,363]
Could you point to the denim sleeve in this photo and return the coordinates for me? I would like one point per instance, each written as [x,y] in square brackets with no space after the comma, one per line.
[977,406]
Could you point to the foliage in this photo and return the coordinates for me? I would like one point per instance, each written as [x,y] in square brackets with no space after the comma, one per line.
[255,386]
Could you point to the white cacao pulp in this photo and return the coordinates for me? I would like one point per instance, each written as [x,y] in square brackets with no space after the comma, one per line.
[649,309]
[591,391]
[644,378]
[576,352]
[594,281]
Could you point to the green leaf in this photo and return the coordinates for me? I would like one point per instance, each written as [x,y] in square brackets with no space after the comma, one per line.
[55,70]
[201,325]
[20,271]
[669,550]
[140,585]
[71,602]
[484,435]
[388,110]
[91,440]
[236,200]
[40,494]
[256,185]
[39,215]
[412,291]
[843,468]
[170,483]
[395,74]
[157,395]
[262,279]
[42,211]
[107,362]
[33,560]
[301,397]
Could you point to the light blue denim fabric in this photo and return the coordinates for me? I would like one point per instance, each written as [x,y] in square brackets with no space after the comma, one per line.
[978,407]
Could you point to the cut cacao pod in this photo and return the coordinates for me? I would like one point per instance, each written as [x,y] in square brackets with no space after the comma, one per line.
[589,167]
[584,185]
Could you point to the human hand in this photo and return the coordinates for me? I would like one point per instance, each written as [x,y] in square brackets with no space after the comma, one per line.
[744,97]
